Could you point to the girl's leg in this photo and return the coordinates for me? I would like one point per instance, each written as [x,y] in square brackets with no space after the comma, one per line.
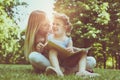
[82,63]
[54,62]
[38,61]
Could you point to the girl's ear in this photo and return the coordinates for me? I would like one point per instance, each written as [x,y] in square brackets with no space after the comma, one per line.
[66,27]
[68,30]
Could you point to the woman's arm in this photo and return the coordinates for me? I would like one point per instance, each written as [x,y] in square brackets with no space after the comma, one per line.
[40,46]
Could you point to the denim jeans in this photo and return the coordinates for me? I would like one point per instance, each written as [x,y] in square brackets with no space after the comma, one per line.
[39,61]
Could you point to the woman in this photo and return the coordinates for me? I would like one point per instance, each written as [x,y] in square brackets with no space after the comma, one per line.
[35,39]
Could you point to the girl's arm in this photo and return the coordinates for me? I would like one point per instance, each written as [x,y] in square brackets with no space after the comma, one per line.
[70,46]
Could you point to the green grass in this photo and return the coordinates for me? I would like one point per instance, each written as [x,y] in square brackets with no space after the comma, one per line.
[25,72]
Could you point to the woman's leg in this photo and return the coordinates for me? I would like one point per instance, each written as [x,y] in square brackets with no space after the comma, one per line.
[91,63]
[73,67]
[38,61]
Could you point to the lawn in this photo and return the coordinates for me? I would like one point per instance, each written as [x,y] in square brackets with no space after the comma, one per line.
[25,72]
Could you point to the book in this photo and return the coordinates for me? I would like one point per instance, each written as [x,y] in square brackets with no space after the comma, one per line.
[63,52]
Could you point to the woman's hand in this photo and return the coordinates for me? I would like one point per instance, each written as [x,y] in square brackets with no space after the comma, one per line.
[40,46]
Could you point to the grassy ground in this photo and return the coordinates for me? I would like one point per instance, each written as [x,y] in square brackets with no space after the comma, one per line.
[25,72]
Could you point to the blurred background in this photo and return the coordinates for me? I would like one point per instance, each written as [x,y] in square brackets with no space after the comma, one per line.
[95,23]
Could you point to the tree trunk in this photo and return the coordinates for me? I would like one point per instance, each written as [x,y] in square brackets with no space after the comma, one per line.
[104,54]
[113,63]
[118,61]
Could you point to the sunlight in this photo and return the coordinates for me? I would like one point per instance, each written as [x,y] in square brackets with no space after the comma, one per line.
[44,5]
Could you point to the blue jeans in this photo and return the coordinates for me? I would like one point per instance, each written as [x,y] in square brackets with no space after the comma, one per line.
[40,62]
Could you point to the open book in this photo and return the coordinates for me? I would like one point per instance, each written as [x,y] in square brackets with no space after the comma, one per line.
[63,52]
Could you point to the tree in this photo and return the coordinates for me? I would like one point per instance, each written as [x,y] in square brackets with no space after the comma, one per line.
[10,47]
[95,23]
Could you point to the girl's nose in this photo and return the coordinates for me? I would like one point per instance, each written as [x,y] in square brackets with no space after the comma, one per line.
[54,25]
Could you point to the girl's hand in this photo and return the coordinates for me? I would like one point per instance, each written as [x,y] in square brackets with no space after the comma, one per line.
[70,49]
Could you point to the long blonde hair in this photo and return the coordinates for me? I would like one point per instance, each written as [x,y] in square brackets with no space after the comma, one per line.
[35,21]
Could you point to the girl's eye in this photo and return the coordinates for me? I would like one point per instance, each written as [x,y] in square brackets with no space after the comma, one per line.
[57,24]
[47,25]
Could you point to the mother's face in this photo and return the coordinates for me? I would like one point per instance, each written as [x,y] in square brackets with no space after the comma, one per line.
[45,27]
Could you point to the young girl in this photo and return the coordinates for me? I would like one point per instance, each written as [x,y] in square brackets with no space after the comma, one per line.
[61,28]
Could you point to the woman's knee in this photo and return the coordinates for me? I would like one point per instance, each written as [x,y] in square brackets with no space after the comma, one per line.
[36,57]
[91,62]
[33,56]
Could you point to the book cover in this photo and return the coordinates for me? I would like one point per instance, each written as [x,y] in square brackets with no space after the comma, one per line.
[62,51]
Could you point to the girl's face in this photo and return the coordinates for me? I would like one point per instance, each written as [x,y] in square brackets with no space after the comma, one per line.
[58,27]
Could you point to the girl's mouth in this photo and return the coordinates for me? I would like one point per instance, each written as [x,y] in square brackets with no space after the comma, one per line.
[55,29]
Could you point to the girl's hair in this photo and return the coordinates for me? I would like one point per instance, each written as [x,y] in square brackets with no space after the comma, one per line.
[36,20]
[65,19]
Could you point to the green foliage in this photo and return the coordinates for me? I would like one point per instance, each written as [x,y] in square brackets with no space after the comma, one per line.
[10,46]
[94,22]
[82,11]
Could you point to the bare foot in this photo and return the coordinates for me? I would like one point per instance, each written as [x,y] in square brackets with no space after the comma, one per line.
[52,70]
[90,70]
[87,74]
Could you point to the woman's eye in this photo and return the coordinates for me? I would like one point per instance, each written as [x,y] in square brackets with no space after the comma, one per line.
[53,23]
[46,25]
